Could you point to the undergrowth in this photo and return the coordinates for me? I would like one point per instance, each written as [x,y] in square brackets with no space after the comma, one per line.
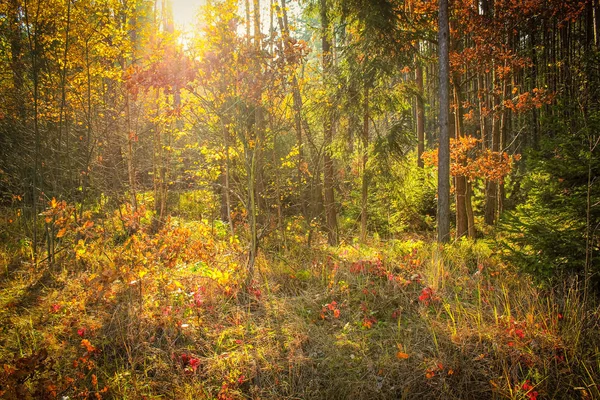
[162,315]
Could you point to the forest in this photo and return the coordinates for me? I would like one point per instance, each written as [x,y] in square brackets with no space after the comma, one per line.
[299,199]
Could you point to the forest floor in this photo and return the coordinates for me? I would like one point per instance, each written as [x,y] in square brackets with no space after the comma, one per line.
[147,316]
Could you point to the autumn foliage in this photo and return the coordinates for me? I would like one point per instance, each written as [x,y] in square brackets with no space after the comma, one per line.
[468,160]
[246,208]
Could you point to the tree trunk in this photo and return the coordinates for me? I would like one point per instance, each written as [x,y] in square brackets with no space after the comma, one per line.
[534,74]
[443,209]
[328,171]
[504,128]
[253,250]
[491,193]
[420,114]
[460,188]
[365,173]
[597,23]
[32,36]
[481,103]
[469,209]
[297,98]
[157,220]
[227,178]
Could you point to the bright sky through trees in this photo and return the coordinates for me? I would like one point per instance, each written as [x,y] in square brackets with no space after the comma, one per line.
[185,13]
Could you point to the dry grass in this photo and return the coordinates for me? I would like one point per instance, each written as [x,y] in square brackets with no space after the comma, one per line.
[159,317]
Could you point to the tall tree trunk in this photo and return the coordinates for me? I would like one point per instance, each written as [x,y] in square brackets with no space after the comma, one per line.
[132,136]
[365,173]
[328,171]
[491,193]
[17,64]
[420,113]
[227,180]
[469,209]
[460,188]
[259,114]
[597,23]
[297,98]
[443,209]
[157,220]
[481,104]
[534,74]
[63,102]
[251,181]
[504,129]
[254,152]
[33,39]
[247,8]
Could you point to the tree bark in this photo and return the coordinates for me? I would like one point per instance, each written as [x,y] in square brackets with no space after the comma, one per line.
[420,114]
[328,171]
[297,105]
[460,187]
[365,173]
[443,208]
[491,193]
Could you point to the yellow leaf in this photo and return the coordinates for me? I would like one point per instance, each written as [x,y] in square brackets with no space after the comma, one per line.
[80,248]
[142,273]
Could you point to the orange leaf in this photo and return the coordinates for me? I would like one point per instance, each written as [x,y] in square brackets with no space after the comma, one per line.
[402,356]
[88,346]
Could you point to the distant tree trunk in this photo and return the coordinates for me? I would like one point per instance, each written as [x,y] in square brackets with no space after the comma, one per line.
[63,102]
[227,178]
[328,172]
[469,209]
[131,133]
[158,173]
[161,184]
[365,173]
[534,74]
[17,64]
[420,113]
[460,187]
[85,168]
[247,8]
[481,104]
[491,193]
[297,97]
[32,35]
[597,23]
[443,209]
[131,138]
[253,250]
[254,153]
[504,128]
[259,115]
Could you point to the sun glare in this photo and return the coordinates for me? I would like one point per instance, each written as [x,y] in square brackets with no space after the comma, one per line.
[185,13]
